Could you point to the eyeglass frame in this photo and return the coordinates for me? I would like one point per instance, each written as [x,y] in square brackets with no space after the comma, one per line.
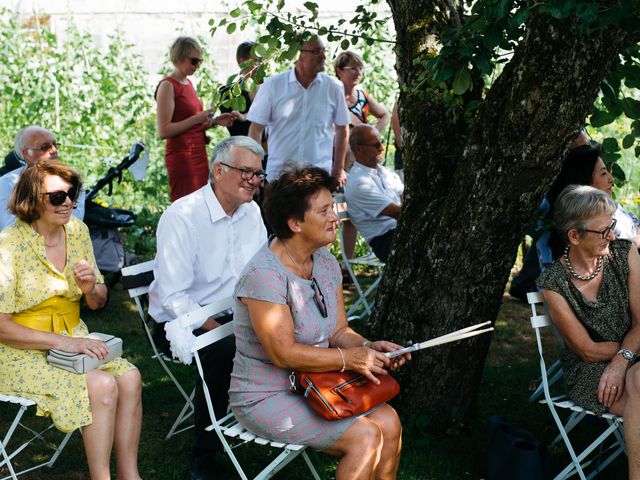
[45,147]
[353,69]
[378,144]
[315,51]
[318,298]
[73,193]
[195,61]
[604,232]
[261,174]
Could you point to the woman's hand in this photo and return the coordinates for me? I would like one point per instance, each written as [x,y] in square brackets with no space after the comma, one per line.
[384,346]
[224,119]
[203,117]
[611,384]
[92,347]
[84,276]
[366,361]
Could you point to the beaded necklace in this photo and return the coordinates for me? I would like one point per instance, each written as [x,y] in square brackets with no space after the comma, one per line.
[573,272]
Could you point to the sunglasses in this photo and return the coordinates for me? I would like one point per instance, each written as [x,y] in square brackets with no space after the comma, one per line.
[58,197]
[195,61]
[318,298]
[44,147]
[378,144]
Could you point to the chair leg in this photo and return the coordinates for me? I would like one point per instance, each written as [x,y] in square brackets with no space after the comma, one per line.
[307,460]
[277,464]
[185,414]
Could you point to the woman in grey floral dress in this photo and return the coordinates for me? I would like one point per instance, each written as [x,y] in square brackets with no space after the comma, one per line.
[593,295]
[289,315]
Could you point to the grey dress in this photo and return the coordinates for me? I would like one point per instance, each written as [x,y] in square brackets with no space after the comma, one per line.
[608,319]
[259,393]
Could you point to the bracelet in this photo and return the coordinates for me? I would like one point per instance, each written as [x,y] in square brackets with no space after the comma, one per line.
[342,357]
[366,343]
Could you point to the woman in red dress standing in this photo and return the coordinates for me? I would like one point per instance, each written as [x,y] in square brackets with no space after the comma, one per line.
[182,121]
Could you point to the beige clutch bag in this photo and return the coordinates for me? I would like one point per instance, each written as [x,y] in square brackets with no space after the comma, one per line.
[81,362]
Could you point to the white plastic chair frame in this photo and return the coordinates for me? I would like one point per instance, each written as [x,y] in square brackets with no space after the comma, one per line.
[579,463]
[369,260]
[137,294]
[228,426]
[6,457]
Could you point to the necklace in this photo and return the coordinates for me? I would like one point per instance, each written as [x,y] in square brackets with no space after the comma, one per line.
[54,244]
[573,272]
[294,262]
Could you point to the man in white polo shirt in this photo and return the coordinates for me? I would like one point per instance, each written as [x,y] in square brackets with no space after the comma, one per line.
[204,241]
[373,192]
[304,109]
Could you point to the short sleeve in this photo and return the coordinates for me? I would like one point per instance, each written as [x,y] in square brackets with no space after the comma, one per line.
[260,110]
[341,115]
[7,281]
[263,284]
[366,195]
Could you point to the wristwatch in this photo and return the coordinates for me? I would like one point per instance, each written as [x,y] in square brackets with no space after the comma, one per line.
[626,354]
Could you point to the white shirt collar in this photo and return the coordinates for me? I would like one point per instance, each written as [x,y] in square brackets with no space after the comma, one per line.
[216,212]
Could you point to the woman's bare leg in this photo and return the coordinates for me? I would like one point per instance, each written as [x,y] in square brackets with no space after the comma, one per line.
[128,423]
[387,420]
[360,449]
[98,437]
[629,407]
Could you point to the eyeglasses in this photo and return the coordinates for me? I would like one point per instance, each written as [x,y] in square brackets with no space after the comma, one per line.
[58,197]
[45,147]
[315,51]
[605,232]
[195,61]
[378,144]
[353,69]
[247,173]
[318,298]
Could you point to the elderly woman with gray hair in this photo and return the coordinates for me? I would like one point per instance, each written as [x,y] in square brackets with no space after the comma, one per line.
[593,295]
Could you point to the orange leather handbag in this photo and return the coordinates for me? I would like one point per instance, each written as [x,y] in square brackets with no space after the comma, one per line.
[338,395]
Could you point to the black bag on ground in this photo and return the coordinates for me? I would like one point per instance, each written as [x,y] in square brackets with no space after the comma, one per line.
[515,453]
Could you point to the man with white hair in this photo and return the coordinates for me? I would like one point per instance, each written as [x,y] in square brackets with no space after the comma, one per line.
[31,145]
[204,240]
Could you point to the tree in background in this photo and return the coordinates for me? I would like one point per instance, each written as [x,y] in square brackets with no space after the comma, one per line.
[491,95]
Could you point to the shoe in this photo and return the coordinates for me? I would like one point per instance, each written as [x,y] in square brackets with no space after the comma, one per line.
[203,467]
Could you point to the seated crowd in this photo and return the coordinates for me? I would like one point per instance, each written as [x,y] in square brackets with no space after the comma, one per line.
[295,320]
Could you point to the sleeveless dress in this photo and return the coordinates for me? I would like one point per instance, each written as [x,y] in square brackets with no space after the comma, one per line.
[607,319]
[186,154]
[259,393]
[32,287]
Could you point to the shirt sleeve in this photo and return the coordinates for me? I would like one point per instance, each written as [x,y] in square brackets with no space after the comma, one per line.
[368,197]
[174,264]
[78,211]
[260,283]
[6,218]
[260,110]
[341,115]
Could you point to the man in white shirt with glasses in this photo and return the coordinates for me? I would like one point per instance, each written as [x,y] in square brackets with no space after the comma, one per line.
[204,240]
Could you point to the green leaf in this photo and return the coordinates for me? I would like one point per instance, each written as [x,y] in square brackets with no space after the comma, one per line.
[345,44]
[631,107]
[628,140]
[587,12]
[520,17]
[492,37]
[610,144]
[482,62]
[235,13]
[312,7]
[461,81]
[600,118]
[231,28]
[618,173]
[637,151]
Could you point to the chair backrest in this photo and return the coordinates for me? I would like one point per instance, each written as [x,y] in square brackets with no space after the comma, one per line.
[136,279]
[341,206]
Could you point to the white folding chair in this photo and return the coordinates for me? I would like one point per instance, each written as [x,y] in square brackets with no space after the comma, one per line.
[610,442]
[140,296]
[369,259]
[7,456]
[228,426]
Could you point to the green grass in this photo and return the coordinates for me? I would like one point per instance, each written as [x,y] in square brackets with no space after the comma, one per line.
[460,453]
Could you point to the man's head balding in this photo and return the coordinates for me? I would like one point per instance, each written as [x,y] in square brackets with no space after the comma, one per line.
[366,145]
[29,142]
[358,134]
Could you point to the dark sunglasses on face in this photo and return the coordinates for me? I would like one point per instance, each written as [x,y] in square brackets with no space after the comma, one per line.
[604,232]
[318,298]
[377,144]
[45,147]
[58,197]
[195,61]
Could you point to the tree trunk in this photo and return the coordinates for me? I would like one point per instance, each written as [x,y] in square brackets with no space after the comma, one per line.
[470,194]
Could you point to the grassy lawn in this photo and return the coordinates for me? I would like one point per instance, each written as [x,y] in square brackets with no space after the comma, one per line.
[459,453]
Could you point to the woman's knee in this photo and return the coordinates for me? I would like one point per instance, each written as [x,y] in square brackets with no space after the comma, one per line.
[632,382]
[389,423]
[364,436]
[130,384]
[103,389]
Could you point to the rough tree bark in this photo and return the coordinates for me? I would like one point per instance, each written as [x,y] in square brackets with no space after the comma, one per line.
[470,195]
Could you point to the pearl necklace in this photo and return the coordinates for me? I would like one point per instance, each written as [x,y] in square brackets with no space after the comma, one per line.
[573,272]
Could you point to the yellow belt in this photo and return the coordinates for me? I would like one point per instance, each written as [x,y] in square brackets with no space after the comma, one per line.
[55,315]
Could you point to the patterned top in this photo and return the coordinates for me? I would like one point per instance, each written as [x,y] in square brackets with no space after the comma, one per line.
[27,276]
[607,319]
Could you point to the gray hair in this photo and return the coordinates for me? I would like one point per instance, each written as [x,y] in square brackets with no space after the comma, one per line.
[577,204]
[20,143]
[222,153]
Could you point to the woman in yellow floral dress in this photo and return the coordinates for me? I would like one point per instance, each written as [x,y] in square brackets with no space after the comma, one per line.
[46,267]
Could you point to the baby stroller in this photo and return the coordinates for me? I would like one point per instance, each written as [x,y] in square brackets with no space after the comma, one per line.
[103,222]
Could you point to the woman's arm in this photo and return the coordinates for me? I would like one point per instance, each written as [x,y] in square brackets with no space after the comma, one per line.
[166,105]
[18,336]
[573,331]
[274,328]
[95,294]
[380,112]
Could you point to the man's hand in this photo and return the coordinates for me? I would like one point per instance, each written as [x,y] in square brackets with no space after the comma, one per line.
[340,175]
